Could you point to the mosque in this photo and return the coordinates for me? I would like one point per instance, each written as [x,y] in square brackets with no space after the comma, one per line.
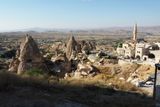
[139,50]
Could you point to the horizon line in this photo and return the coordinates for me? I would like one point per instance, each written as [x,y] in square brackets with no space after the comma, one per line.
[87,28]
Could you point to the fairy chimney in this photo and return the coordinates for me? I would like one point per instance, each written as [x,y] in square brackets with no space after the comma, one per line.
[72,48]
[28,57]
[29,51]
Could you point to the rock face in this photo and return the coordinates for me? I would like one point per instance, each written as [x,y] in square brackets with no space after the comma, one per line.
[72,48]
[87,46]
[85,70]
[57,47]
[61,65]
[27,57]
[29,51]
[13,65]
[92,58]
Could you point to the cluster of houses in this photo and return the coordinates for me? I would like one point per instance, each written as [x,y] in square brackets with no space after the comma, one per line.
[139,50]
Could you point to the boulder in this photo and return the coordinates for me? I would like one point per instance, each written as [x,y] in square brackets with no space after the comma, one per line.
[85,70]
[92,57]
[134,79]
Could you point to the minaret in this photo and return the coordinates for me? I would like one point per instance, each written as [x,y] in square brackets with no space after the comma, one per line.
[135,34]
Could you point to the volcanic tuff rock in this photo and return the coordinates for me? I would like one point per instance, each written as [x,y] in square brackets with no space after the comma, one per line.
[72,48]
[27,57]
[85,70]
[87,46]
[61,65]
[13,65]
[29,51]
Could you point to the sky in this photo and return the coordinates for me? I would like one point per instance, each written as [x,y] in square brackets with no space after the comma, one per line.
[77,14]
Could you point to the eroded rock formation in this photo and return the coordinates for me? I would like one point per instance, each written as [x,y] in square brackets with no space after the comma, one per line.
[27,57]
[87,46]
[84,70]
[61,65]
[72,48]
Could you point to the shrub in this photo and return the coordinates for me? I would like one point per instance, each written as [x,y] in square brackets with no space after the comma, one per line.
[35,72]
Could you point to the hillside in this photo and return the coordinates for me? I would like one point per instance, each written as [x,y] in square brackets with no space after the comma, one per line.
[27,91]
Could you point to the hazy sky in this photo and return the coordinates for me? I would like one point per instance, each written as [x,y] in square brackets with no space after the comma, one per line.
[21,14]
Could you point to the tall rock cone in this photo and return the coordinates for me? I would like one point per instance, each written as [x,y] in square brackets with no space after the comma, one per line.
[72,47]
[28,57]
[29,51]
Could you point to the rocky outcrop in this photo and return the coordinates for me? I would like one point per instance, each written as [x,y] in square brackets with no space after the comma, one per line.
[85,70]
[28,57]
[136,74]
[29,51]
[63,62]
[87,46]
[13,65]
[14,62]
[72,48]
[57,48]
[61,65]
[134,79]
[92,58]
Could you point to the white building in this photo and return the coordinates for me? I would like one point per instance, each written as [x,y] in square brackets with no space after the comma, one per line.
[128,48]
[140,50]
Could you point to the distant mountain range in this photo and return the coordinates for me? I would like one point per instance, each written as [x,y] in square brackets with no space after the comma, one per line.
[127,31]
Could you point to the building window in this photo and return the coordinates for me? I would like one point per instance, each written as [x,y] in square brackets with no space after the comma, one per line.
[138,51]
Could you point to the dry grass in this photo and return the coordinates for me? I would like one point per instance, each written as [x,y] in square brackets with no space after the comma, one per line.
[50,91]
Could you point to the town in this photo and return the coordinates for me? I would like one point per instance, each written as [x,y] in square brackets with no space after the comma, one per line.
[139,50]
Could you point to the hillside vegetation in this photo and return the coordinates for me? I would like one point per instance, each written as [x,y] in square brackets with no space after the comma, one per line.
[48,91]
